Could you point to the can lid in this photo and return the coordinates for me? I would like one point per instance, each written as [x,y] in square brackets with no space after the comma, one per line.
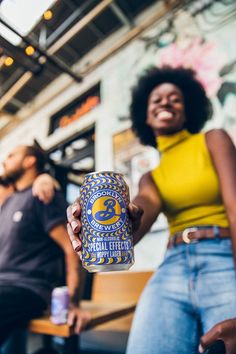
[101,172]
[60,290]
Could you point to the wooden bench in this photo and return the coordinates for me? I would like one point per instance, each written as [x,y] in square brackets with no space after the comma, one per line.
[120,287]
[114,295]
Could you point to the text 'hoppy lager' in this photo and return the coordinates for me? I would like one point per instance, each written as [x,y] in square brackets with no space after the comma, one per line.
[107,242]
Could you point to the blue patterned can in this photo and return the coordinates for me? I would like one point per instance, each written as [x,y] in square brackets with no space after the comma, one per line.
[59,305]
[107,242]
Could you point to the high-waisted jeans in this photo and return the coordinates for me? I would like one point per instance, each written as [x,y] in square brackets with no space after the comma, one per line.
[193,289]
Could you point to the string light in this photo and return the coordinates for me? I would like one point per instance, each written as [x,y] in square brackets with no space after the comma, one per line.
[47,15]
[29,50]
[8,61]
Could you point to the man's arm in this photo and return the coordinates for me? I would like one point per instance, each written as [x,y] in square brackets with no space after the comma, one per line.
[80,318]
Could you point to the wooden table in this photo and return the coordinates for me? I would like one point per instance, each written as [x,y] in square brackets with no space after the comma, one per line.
[101,313]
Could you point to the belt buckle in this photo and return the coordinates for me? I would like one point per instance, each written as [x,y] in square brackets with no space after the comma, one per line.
[185,234]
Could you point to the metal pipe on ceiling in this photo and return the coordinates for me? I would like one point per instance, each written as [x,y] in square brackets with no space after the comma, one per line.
[8,82]
[121,15]
[26,62]
[54,61]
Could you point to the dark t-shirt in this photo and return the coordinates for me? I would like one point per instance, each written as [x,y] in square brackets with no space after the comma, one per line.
[28,256]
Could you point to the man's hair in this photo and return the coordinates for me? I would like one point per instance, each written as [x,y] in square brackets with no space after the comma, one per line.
[39,156]
[198,108]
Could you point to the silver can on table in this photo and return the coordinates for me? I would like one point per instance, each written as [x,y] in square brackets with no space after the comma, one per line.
[106,234]
[59,305]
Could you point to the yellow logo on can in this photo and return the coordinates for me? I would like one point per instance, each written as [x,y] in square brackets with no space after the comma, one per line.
[106,210]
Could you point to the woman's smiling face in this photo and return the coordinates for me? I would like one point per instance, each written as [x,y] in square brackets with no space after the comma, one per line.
[166,110]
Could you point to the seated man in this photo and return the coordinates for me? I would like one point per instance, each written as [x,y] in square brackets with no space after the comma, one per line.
[31,236]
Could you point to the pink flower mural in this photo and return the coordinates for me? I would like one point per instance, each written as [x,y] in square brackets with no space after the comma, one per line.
[200,56]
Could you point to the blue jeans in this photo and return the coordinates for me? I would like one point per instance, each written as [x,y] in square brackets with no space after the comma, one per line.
[193,289]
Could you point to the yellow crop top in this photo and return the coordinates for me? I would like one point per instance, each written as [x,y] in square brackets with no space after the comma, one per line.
[187,182]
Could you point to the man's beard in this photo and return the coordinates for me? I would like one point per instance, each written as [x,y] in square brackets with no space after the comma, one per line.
[4,181]
[13,176]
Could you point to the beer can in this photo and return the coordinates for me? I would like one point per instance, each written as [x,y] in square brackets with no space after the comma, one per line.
[59,305]
[106,234]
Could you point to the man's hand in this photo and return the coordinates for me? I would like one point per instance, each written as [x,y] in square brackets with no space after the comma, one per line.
[44,188]
[78,318]
[225,331]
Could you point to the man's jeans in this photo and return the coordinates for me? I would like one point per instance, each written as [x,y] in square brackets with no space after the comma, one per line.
[193,289]
[15,343]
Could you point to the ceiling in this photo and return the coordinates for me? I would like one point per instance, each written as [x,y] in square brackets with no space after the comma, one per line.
[76,27]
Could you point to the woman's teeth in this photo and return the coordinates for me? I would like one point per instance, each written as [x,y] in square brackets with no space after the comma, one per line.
[165,115]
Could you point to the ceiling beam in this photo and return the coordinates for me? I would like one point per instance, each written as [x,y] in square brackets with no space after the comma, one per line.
[66,24]
[79,26]
[15,88]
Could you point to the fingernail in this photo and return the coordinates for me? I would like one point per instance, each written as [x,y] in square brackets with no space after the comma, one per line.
[134,206]
[74,226]
[76,245]
[74,208]
[200,349]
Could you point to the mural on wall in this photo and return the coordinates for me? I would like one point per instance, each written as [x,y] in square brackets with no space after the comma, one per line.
[213,65]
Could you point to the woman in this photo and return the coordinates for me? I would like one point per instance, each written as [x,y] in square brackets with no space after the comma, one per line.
[194,185]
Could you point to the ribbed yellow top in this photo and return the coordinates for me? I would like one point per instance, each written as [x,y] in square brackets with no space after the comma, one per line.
[187,182]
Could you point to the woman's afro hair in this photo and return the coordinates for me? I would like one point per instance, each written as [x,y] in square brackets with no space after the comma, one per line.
[198,108]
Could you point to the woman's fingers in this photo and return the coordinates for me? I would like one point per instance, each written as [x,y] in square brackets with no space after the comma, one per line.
[74,225]
[76,209]
[73,221]
[135,214]
[75,240]
[135,211]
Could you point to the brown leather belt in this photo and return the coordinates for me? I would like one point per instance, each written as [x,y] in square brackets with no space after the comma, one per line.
[194,234]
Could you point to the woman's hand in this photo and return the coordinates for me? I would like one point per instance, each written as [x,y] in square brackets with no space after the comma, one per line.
[44,188]
[135,214]
[225,331]
[74,223]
